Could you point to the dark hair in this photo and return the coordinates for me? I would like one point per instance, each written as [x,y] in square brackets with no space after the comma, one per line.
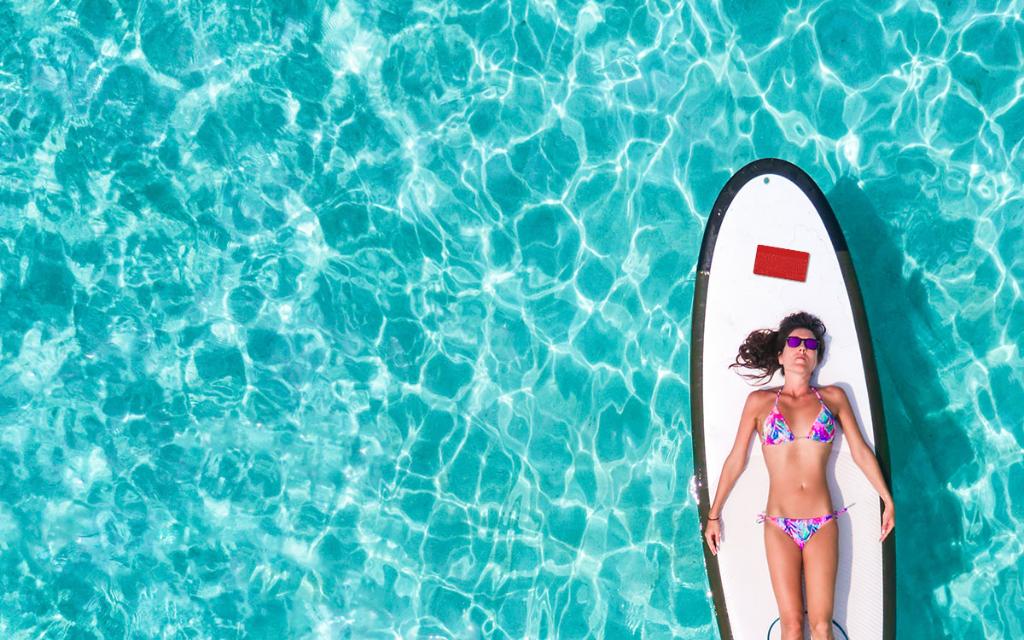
[760,351]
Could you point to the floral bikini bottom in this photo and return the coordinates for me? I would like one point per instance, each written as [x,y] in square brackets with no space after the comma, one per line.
[801,529]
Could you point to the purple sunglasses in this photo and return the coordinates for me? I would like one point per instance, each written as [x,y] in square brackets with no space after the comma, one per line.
[794,342]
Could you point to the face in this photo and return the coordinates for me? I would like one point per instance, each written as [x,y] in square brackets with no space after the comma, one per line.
[799,358]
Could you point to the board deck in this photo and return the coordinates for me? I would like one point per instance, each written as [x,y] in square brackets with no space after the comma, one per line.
[772,246]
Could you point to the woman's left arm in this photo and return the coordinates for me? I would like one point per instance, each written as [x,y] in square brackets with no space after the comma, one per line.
[862,453]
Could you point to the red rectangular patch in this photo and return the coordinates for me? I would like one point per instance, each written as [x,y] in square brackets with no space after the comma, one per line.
[777,262]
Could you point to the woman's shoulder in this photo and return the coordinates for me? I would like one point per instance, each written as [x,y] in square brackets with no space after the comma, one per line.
[832,392]
[757,397]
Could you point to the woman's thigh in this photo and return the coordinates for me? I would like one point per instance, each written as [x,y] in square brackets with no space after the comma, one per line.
[784,566]
[821,557]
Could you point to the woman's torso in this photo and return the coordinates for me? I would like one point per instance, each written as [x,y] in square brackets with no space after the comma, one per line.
[798,487]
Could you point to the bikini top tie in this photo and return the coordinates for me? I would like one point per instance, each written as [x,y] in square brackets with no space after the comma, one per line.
[777,431]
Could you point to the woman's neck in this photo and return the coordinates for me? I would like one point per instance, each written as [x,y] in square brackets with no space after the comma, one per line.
[796,386]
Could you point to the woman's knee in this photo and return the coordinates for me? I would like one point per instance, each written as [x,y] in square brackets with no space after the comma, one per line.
[793,619]
[821,630]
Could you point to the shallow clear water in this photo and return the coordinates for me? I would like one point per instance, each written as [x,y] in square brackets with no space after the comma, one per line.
[371,320]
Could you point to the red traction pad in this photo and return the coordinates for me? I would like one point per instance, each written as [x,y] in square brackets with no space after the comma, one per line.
[777,262]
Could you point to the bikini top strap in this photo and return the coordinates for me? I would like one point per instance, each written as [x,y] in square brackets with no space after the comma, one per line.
[777,397]
[815,390]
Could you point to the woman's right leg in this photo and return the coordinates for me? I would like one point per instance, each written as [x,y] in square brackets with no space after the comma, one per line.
[785,564]
[821,557]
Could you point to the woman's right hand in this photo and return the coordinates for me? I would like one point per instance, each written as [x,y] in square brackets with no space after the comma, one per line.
[713,535]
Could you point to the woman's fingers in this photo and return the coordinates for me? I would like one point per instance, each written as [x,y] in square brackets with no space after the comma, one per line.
[713,535]
[713,543]
[888,523]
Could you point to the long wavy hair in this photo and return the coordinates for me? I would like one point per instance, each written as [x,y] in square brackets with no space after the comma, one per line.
[760,351]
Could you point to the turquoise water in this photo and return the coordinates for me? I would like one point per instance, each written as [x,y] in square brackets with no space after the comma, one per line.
[370,320]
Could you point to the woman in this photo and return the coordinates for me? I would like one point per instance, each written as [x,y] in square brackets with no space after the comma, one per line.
[796,424]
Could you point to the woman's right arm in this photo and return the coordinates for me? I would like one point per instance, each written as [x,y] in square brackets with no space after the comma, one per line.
[732,468]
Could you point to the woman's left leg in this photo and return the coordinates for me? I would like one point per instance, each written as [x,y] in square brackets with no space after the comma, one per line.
[821,557]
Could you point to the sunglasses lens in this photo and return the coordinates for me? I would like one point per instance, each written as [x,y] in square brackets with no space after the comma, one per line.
[794,342]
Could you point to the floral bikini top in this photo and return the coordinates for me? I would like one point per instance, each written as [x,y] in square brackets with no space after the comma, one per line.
[776,431]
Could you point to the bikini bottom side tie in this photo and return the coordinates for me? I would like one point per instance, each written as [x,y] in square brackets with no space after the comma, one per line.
[801,529]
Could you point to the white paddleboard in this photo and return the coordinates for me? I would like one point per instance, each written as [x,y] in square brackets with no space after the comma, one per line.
[774,204]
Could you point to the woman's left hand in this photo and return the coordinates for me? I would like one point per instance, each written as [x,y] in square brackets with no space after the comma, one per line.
[888,520]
